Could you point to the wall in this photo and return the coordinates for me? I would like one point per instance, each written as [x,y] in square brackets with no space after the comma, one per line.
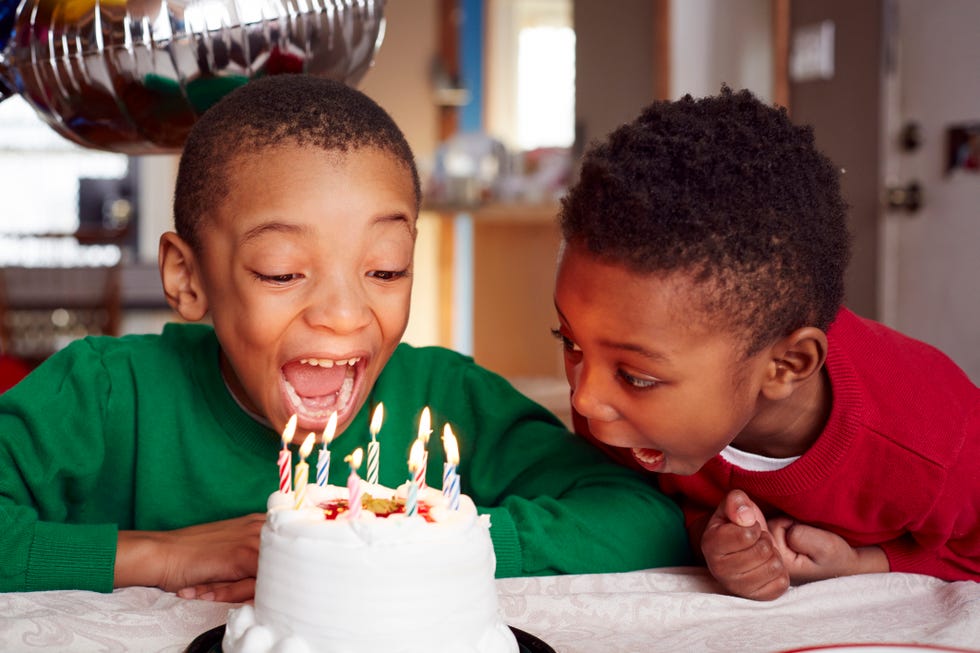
[399,82]
[845,114]
[715,41]
[615,72]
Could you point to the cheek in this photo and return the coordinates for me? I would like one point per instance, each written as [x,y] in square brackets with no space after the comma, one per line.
[392,312]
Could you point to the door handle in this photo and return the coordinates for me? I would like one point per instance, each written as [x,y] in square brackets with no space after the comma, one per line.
[906,198]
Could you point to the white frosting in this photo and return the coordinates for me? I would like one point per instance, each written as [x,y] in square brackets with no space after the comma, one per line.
[370,584]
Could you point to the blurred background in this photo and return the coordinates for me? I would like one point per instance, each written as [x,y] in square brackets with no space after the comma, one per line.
[498,98]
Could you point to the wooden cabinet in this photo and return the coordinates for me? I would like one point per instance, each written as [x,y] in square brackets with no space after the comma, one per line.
[494,277]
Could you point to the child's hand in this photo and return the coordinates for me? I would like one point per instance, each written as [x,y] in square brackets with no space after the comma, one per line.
[811,553]
[741,552]
[217,559]
[242,591]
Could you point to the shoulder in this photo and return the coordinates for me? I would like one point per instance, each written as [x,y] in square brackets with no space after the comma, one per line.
[439,376]
[431,362]
[904,390]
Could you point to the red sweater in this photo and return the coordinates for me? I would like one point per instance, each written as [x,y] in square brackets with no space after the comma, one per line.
[897,465]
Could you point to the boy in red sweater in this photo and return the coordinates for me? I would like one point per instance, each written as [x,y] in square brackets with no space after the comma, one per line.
[699,294]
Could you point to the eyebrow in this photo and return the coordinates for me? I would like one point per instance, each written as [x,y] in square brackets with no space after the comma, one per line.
[272,227]
[395,217]
[287,228]
[624,346]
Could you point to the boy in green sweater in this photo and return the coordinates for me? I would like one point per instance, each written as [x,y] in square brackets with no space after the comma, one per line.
[147,460]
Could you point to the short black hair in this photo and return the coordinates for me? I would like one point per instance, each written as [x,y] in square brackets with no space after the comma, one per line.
[270,111]
[730,191]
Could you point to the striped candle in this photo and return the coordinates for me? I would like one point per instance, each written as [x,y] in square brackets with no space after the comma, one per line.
[285,457]
[354,489]
[374,449]
[450,477]
[323,460]
[425,429]
[412,503]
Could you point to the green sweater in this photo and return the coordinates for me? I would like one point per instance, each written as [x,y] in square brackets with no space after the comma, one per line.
[141,433]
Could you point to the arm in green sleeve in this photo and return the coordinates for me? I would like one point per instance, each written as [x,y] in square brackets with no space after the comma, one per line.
[49,466]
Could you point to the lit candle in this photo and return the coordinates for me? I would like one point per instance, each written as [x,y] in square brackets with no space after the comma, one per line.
[354,489]
[323,459]
[425,429]
[450,478]
[285,457]
[374,449]
[302,469]
[414,462]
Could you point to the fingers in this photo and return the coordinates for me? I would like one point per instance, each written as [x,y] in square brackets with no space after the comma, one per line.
[756,571]
[236,592]
[739,509]
[740,551]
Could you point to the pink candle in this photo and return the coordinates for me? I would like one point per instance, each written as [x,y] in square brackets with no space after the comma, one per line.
[285,473]
[414,462]
[425,429]
[354,489]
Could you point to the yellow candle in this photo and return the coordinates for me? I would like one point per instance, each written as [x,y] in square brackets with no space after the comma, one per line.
[303,469]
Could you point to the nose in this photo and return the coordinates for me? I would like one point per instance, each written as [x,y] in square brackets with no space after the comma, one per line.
[340,305]
[588,391]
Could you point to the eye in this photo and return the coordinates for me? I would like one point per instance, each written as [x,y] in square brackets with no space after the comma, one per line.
[637,382]
[566,342]
[388,275]
[276,279]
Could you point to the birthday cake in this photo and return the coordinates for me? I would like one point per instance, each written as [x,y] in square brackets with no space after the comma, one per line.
[380,581]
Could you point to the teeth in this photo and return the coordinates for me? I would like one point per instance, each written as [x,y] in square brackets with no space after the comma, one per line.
[327,362]
[644,457]
[320,407]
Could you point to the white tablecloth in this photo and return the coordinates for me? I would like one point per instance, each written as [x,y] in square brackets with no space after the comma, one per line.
[649,611]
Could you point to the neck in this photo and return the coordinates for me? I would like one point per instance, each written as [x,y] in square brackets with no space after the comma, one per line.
[790,426]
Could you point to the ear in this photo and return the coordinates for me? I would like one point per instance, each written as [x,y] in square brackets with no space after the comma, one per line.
[181,278]
[794,360]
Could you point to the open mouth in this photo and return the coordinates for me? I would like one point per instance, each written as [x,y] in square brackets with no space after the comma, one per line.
[649,459]
[317,387]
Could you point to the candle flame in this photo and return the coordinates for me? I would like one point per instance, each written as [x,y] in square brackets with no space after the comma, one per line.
[415,456]
[376,419]
[425,426]
[307,446]
[450,445]
[331,429]
[289,431]
[355,459]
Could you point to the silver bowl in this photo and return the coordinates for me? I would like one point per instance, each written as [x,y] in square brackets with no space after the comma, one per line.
[132,76]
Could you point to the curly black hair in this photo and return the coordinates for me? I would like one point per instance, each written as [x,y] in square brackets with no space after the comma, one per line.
[295,109]
[726,190]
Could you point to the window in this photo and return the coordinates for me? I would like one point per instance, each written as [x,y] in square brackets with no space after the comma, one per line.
[531,73]
[39,172]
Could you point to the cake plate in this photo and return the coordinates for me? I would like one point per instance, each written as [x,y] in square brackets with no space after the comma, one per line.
[210,642]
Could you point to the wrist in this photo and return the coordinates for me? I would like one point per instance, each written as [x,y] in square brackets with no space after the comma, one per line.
[872,560]
[138,560]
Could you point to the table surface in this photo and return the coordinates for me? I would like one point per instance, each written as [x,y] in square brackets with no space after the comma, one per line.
[674,609]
